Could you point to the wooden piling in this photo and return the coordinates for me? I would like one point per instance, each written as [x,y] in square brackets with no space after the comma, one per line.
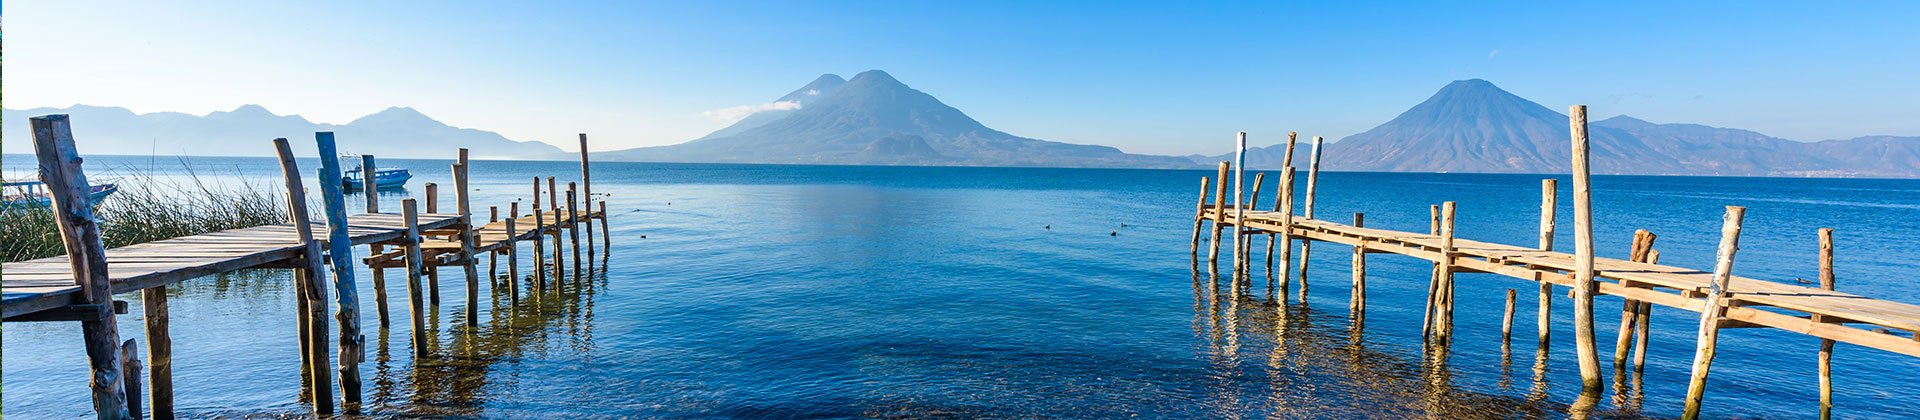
[130,373]
[308,278]
[573,225]
[1285,207]
[433,271]
[1547,210]
[367,170]
[410,212]
[539,245]
[553,199]
[1239,206]
[1313,181]
[467,240]
[1443,303]
[1357,303]
[1199,218]
[1630,309]
[72,209]
[1506,322]
[1714,309]
[513,253]
[1246,241]
[586,194]
[1219,213]
[1584,288]
[1433,281]
[493,257]
[1826,345]
[346,293]
[159,353]
[606,238]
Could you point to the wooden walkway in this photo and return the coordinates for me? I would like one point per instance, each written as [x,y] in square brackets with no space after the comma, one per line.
[56,289]
[1721,299]
[47,284]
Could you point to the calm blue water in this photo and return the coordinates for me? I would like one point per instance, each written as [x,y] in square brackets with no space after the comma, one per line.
[801,291]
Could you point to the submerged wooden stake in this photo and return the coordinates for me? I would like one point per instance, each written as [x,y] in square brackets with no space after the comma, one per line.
[553,199]
[130,372]
[1433,281]
[1285,207]
[573,226]
[1199,218]
[346,293]
[1630,309]
[1715,308]
[513,252]
[606,238]
[1547,210]
[586,194]
[1826,345]
[379,273]
[1246,241]
[1443,313]
[1583,290]
[433,271]
[467,240]
[72,210]
[416,310]
[1506,322]
[159,353]
[539,245]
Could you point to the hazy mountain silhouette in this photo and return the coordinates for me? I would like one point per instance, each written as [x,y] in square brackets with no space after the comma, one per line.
[875,119]
[1474,126]
[247,130]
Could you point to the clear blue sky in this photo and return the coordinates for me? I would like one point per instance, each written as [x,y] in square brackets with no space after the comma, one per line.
[1151,78]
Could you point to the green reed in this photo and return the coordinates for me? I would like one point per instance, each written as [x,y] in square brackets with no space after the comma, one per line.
[147,209]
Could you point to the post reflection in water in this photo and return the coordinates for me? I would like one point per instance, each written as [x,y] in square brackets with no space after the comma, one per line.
[1315,370]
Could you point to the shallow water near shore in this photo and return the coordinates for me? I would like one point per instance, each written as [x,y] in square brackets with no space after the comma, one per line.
[829,291]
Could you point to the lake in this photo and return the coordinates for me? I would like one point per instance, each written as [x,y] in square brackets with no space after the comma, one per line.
[833,291]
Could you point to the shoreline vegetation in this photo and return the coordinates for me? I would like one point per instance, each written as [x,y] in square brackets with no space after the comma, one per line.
[147,208]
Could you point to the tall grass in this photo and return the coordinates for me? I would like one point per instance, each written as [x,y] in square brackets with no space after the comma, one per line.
[148,209]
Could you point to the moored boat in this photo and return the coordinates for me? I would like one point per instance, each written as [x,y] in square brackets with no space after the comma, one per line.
[382,178]
[23,194]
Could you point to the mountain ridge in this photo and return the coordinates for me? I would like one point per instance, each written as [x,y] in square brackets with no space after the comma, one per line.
[400,132]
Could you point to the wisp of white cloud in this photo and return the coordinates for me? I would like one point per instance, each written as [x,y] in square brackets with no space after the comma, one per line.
[1494,53]
[813,92]
[736,113]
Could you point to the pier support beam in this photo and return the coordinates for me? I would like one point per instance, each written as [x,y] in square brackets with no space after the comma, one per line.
[606,238]
[539,242]
[73,214]
[1630,309]
[1547,210]
[1583,284]
[1714,310]
[1433,281]
[1285,190]
[553,199]
[1826,345]
[416,310]
[586,194]
[159,353]
[346,292]
[308,278]
[1219,214]
[471,259]
[1357,303]
[513,253]
[573,225]
[1199,219]
[1313,181]
[379,273]
[1443,299]
[1285,207]
[433,270]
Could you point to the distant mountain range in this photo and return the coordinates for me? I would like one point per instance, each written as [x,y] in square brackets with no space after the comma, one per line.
[1474,126]
[874,119]
[245,131]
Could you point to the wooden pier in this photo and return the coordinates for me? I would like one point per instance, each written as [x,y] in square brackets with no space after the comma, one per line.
[79,286]
[1718,298]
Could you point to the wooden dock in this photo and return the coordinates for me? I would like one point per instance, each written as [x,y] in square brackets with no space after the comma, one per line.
[1718,298]
[79,286]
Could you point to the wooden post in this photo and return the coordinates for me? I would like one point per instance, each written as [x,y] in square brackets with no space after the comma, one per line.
[1826,345]
[159,353]
[366,173]
[1433,281]
[1358,301]
[1285,207]
[573,225]
[471,265]
[539,245]
[1547,210]
[130,372]
[346,293]
[409,211]
[606,238]
[433,271]
[1313,181]
[73,215]
[1246,241]
[1506,322]
[1199,218]
[1584,288]
[1219,213]
[1630,309]
[553,198]
[367,170]
[1239,205]
[513,252]
[1715,308]
[308,277]
[493,257]
[586,193]
[1443,313]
